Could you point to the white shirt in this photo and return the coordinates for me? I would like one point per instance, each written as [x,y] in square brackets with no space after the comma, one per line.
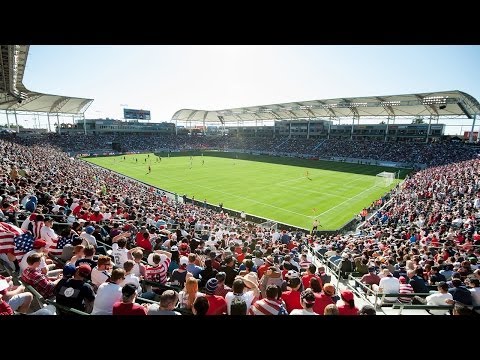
[88,239]
[247,296]
[438,299]
[390,285]
[119,255]
[132,279]
[98,276]
[49,236]
[25,224]
[302,312]
[108,294]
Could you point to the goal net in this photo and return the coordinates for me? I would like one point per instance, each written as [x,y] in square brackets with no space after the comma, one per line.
[269,225]
[384,178]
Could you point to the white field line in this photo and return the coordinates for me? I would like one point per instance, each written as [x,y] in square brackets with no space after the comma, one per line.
[366,190]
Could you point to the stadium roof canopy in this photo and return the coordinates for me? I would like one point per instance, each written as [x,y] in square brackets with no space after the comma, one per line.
[444,103]
[14,96]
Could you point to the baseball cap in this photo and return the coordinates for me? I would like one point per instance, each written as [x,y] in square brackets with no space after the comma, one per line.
[84,270]
[39,243]
[69,270]
[347,295]
[183,260]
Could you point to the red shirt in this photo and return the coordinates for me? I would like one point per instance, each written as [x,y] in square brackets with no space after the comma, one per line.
[321,302]
[218,305]
[292,300]
[144,243]
[306,280]
[347,310]
[5,309]
[120,308]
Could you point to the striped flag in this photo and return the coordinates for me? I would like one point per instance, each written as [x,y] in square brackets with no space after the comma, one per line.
[7,243]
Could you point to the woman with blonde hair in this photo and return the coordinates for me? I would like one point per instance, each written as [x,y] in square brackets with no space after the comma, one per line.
[187,296]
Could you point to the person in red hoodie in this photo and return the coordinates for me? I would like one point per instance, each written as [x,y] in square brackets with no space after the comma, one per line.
[346,306]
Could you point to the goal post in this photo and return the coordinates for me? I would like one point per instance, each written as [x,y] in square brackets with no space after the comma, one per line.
[269,225]
[384,178]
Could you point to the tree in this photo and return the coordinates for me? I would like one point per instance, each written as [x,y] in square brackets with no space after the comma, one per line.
[418,120]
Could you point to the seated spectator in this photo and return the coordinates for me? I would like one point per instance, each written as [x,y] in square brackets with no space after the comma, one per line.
[347,304]
[109,293]
[217,304]
[127,305]
[34,277]
[200,306]
[367,310]
[187,296]
[75,292]
[331,310]
[168,302]
[439,298]
[271,304]
[307,298]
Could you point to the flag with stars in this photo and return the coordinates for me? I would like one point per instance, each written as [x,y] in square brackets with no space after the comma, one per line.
[24,242]
[64,240]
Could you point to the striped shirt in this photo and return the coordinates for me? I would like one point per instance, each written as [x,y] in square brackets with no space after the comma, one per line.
[405,289]
[158,273]
[266,307]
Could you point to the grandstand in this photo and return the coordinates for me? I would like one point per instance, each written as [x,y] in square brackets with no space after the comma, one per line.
[423,233]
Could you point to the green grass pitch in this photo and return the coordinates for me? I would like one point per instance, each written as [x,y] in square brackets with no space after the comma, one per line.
[288,190]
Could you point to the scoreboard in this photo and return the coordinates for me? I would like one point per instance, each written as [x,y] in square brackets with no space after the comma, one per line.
[136,114]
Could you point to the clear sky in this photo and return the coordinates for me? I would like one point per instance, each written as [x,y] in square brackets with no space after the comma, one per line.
[164,79]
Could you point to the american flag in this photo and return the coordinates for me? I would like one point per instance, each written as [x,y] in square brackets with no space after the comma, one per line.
[24,242]
[7,243]
[64,240]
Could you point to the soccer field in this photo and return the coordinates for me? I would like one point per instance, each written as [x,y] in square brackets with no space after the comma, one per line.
[288,190]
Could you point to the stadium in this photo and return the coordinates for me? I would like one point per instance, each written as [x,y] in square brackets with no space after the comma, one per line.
[342,206]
